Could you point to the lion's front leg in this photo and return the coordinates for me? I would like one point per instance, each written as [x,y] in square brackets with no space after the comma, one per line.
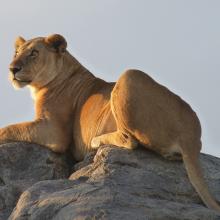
[40,132]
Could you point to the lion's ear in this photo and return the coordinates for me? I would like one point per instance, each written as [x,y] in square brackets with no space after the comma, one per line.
[56,42]
[19,41]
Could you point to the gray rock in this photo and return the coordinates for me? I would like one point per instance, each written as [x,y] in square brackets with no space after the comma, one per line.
[22,165]
[121,184]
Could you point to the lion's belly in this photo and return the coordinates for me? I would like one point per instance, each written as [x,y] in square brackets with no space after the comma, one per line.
[95,118]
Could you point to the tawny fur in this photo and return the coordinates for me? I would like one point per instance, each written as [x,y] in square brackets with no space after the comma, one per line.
[76,110]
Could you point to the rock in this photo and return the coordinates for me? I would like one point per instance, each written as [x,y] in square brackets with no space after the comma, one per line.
[22,165]
[121,184]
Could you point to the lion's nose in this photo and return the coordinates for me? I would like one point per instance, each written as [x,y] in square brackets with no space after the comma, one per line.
[15,69]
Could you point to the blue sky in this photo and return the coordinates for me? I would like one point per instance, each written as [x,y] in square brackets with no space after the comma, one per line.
[176,42]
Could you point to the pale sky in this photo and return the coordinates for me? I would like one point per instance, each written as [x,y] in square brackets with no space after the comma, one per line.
[177,42]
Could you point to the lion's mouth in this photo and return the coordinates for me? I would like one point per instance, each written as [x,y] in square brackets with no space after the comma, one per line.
[21,80]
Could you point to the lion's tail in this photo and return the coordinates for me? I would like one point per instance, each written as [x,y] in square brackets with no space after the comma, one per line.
[194,171]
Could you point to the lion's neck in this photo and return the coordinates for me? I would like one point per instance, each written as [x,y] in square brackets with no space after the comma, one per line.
[72,82]
[70,68]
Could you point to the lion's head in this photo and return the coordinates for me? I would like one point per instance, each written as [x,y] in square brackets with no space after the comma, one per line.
[37,61]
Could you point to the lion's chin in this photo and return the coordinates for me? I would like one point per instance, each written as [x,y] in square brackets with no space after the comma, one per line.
[19,84]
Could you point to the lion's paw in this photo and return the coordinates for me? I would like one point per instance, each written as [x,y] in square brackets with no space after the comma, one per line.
[95,143]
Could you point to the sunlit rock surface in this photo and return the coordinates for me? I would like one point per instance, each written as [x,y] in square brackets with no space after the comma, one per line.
[115,184]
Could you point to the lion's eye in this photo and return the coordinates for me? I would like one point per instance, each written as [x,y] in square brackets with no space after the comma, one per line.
[34,53]
[16,53]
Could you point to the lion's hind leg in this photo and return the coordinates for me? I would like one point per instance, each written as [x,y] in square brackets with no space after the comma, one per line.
[117,138]
[129,111]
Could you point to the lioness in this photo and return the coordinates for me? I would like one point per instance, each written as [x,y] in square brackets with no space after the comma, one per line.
[77,110]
